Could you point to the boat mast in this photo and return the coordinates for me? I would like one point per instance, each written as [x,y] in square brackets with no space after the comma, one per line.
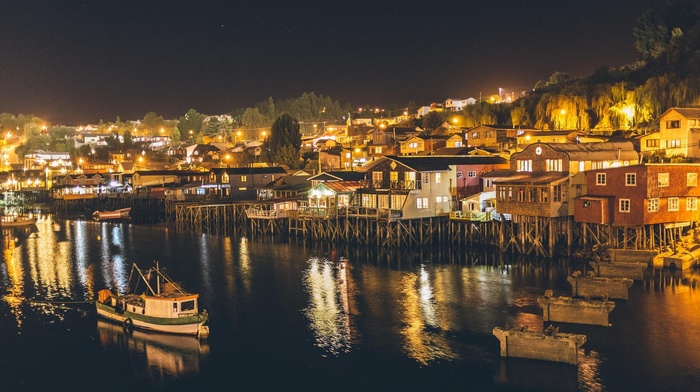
[158,277]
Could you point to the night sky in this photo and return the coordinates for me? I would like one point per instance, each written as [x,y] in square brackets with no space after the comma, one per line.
[75,62]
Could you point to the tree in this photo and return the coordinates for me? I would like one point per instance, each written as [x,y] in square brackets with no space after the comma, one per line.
[191,121]
[128,140]
[432,121]
[285,141]
[253,119]
[650,36]
[152,123]
[175,137]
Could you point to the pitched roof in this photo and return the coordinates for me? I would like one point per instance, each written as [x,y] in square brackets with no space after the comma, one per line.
[249,170]
[685,112]
[343,186]
[603,151]
[443,162]
[339,176]
[532,177]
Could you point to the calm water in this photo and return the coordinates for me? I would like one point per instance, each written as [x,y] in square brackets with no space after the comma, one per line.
[293,317]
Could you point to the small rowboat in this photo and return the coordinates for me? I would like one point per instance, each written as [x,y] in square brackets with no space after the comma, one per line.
[114,214]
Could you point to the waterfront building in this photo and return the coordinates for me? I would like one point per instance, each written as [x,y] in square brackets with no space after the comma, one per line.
[412,186]
[240,183]
[678,135]
[638,195]
[544,178]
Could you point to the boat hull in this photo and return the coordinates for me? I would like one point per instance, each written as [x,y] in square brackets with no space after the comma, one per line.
[190,325]
[17,222]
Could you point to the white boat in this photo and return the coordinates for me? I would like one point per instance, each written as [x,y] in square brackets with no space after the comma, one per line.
[160,305]
[15,220]
[114,214]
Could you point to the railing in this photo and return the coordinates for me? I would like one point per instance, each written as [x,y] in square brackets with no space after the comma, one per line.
[348,211]
[265,214]
[476,216]
[398,184]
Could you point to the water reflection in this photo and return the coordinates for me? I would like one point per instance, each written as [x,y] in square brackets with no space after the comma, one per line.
[329,308]
[162,356]
[12,276]
[424,329]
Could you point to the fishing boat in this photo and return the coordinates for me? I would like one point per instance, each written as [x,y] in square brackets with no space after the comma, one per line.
[114,214]
[154,302]
[17,220]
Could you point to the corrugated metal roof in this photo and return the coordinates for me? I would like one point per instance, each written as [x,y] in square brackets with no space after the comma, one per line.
[603,151]
[343,186]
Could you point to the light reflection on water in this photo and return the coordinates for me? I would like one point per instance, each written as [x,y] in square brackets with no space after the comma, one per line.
[432,313]
[328,310]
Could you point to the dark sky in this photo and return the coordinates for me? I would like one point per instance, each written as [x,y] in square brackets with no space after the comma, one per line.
[75,62]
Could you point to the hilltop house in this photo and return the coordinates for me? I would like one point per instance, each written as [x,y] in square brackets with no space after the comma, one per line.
[678,135]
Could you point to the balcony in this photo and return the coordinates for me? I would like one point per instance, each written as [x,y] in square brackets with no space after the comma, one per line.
[384,184]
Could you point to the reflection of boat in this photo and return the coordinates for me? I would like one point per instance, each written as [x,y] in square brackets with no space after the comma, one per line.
[161,305]
[114,214]
[15,220]
[166,353]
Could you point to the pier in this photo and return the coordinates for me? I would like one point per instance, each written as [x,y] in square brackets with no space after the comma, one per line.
[526,235]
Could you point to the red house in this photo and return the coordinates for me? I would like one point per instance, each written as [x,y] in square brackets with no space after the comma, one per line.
[638,195]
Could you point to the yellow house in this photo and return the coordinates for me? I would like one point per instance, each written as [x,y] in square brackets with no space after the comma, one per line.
[528,137]
[412,146]
[679,133]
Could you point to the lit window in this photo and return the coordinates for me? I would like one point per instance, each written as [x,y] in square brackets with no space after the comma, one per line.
[691,204]
[653,205]
[600,178]
[673,204]
[553,165]
[524,165]
[692,179]
[676,143]
[422,203]
[244,178]
[630,179]
[544,195]
[663,179]
[394,176]
[673,124]
[438,178]
[624,205]
[653,143]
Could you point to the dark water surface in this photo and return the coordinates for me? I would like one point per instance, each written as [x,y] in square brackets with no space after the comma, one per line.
[298,318]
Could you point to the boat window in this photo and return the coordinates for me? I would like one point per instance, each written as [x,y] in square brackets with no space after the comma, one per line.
[186,305]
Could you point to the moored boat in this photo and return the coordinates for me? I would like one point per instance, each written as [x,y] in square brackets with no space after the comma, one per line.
[114,214]
[161,305]
[15,220]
